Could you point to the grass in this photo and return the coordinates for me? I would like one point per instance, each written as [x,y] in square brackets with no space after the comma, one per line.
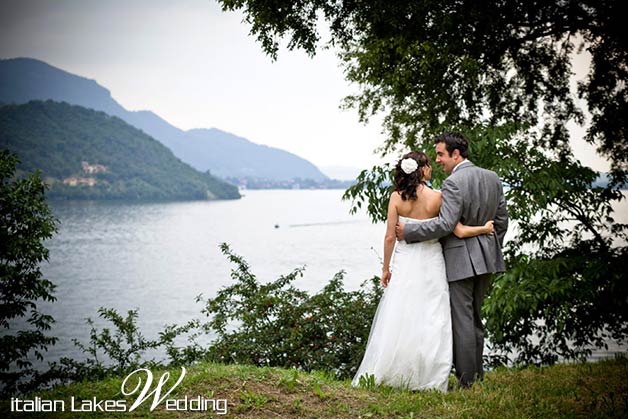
[590,390]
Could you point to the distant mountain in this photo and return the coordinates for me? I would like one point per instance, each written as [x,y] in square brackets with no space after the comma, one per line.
[228,155]
[341,172]
[603,179]
[224,154]
[25,79]
[85,154]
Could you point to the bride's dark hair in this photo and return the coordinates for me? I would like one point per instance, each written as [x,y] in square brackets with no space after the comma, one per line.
[405,183]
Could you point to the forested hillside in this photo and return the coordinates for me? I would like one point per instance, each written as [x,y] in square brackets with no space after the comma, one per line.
[85,154]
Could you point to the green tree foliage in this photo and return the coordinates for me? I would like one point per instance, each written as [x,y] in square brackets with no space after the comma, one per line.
[56,138]
[501,72]
[25,222]
[276,324]
[434,64]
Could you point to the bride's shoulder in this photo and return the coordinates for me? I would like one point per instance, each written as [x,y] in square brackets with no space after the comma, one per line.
[395,198]
[433,195]
[431,190]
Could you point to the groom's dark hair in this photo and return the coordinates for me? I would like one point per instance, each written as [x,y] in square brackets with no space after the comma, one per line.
[454,141]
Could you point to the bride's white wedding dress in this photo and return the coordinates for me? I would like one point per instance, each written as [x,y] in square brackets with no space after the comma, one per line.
[410,344]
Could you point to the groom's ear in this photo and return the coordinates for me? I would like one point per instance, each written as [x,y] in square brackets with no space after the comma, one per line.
[455,154]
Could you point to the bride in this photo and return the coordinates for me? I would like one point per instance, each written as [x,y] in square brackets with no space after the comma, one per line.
[410,344]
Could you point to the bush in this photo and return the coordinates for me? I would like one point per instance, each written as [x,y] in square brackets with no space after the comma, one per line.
[119,350]
[559,308]
[275,324]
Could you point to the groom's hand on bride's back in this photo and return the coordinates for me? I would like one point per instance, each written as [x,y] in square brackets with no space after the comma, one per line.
[399,231]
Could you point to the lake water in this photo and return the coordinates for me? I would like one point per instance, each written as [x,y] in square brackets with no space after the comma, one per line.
[159,256]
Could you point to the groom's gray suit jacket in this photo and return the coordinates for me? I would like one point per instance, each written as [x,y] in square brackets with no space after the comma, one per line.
[473,196]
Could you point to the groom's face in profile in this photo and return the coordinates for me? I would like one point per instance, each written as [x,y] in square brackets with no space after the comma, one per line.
[446,160]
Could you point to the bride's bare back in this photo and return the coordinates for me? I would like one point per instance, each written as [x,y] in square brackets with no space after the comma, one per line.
[426,205]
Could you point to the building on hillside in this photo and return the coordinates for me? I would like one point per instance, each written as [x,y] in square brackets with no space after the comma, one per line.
[93,168]
[76,181]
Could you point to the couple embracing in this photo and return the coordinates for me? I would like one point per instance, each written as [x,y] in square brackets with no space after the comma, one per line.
[429,316]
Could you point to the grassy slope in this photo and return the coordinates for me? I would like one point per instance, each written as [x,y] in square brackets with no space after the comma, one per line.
[574,390]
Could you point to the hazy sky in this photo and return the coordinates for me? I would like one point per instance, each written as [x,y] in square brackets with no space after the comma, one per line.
[197,67]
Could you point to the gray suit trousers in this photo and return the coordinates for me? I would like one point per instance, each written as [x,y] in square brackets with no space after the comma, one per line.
[466,297]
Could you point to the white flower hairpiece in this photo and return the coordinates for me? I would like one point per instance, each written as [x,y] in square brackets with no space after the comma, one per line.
[409,165]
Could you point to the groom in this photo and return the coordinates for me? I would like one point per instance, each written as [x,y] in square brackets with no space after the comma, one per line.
[473,196]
